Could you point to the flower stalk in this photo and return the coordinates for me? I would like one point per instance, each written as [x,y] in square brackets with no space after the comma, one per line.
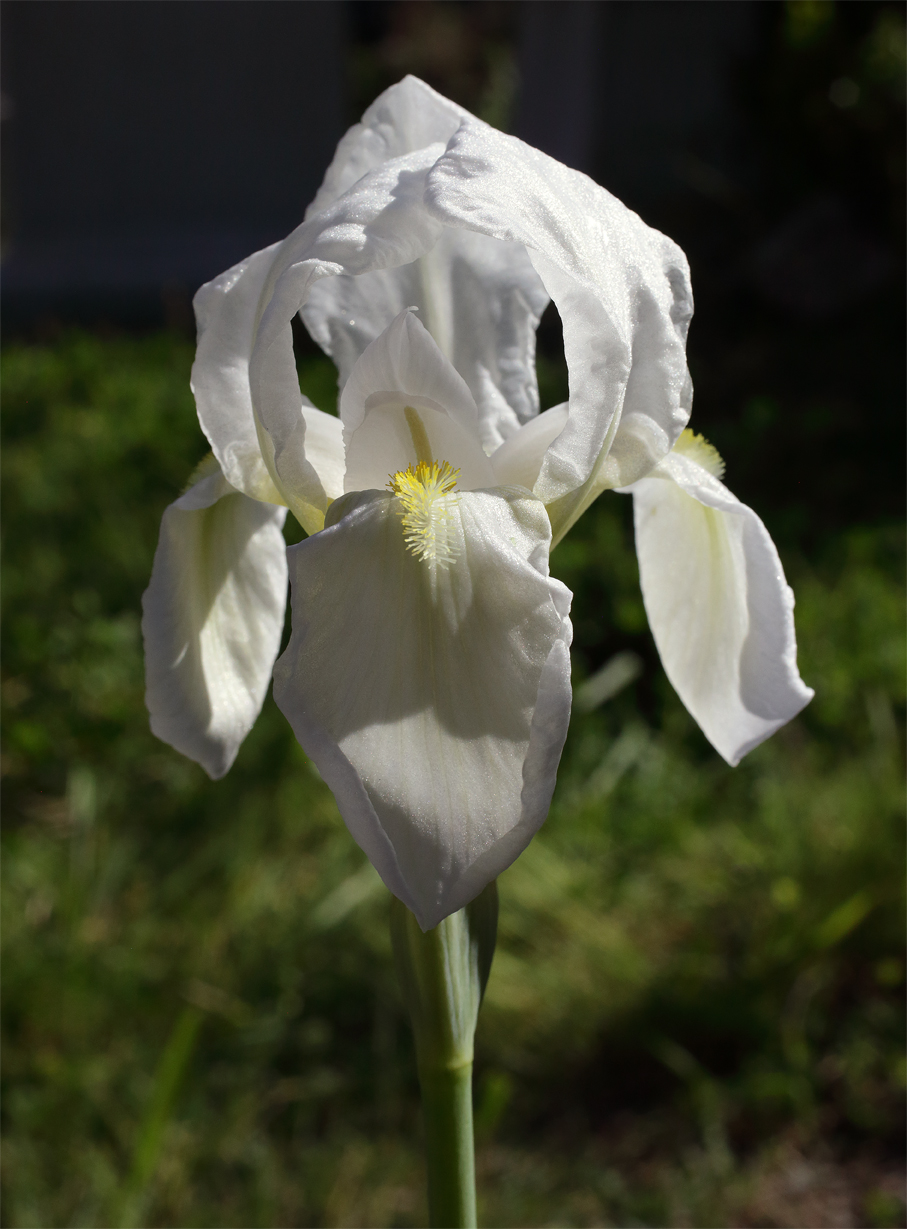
[442,974]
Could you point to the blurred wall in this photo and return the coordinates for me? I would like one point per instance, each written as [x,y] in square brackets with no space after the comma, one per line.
[150,145]
[615,88]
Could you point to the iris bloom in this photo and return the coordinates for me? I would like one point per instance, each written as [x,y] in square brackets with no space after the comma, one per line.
[428,675]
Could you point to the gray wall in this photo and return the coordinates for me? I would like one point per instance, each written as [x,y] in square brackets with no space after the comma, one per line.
[149,145]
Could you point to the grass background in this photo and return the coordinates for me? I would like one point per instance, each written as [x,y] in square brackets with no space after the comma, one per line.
[695,1015]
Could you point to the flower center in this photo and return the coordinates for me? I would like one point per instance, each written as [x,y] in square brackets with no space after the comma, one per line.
[424,490]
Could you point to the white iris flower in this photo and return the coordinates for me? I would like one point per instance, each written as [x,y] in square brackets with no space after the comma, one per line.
[428,673]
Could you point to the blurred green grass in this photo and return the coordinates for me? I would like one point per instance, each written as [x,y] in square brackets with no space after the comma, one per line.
[695,1015]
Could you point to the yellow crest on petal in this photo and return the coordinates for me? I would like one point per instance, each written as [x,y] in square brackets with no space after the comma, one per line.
[698,449]
[425,492]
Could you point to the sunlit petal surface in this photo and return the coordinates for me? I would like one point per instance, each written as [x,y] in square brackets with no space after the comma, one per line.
[719,607]
[434,699]
[518,461]
[406,117]
[481,299]
[405,363]
[622,291]
[380,222]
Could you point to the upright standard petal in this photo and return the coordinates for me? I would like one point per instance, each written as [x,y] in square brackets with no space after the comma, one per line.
[212,619]
[433,698]
[324,448]
[719,607]
[405,403]
[622,290]
[380,221]
[480,299]
[406,117]
[405,361]
[518,461]
[225,312]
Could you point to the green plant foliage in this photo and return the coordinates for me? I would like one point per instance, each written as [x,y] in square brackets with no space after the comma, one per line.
[694,1015]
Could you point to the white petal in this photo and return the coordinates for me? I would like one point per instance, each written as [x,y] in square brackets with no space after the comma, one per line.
[380,222]
[433,700]
[385,443]
[212,620]
[226,311]
[324,449]
[622,290]
[482,302]
[518,461]
[225,314]
[406,117]
[281,414]
[404,369]
[404,362]
[719,607]
[480,299]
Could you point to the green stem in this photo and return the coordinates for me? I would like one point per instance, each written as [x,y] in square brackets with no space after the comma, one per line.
[449,1147]
[442,973]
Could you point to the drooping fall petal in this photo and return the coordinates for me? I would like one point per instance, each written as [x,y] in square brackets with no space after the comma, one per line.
[719,607]
[212,619]
[434,699]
